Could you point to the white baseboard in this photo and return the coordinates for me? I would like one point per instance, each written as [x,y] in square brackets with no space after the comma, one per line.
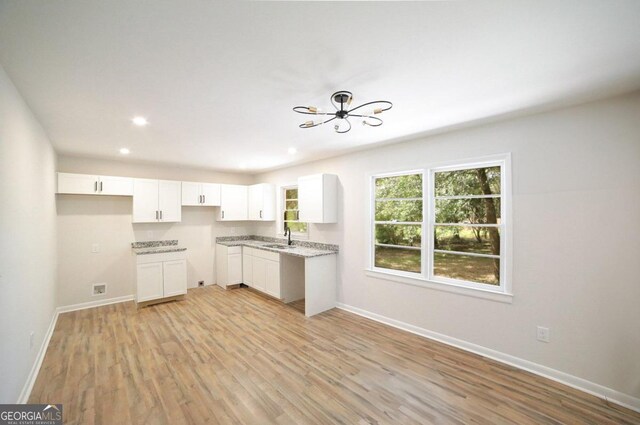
[35,369]
[31,379]
[98,303]
[581,384]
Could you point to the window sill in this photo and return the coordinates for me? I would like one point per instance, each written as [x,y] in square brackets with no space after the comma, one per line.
[486,294]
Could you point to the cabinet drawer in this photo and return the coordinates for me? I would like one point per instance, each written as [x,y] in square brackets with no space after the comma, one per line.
[234,250]
[267,255]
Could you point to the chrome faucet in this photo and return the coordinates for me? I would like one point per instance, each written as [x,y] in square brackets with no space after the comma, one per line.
[287,232]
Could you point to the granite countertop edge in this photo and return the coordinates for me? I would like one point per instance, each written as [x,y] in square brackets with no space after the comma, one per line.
[158,250]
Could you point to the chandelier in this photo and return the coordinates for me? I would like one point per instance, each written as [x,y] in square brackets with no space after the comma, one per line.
[341,101]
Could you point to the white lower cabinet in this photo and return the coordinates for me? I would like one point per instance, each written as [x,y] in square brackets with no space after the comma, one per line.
[161,276]
[228,265]
[261,270]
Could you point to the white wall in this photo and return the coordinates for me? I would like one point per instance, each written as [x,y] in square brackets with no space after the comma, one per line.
[27,239]
[576,234]
[106,220]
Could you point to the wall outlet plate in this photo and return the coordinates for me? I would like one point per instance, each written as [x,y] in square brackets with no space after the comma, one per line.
[201,283]
[543,334]
[99,289]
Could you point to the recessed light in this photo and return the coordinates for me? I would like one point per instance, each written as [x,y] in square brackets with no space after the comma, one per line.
[124,151]
[140,121]
[292,151]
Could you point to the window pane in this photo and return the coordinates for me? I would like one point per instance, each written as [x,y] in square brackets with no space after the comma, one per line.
[399,211]
[409,186]
[407,260]
[297,227]
[476,181]
[473,210]
[479,240]
[291,215]
[292,205]
[291,194]
[466,267]
[399,234]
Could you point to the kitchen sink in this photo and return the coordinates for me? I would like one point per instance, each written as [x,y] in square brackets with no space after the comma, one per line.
[279,246]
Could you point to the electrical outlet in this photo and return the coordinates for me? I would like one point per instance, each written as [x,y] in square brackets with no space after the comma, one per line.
[95,248]
[32,340]
[201,283]
[99,289]
[543,334]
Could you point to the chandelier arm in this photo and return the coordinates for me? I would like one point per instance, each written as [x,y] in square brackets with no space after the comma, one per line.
[378,120]
[315,125]
[371,103]
[311,113]
[347,130]
[335,105]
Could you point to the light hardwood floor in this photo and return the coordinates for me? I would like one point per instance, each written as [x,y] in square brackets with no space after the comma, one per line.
[237,357]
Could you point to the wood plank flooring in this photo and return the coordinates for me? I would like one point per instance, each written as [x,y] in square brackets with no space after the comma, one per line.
[236,357]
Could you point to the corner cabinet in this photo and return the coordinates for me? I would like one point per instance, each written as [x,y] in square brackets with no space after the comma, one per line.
[233,203]
[86,184]
[262,202]
[318,198]
[156,201]
[200,194]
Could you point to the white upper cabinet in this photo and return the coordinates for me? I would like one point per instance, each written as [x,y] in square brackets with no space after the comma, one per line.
[318,198]
[262,202]
[156,201]
[233,203]
[200,194]
[86,184]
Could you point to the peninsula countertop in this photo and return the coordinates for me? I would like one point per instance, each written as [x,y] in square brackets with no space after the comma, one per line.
[156,247]
[298,248]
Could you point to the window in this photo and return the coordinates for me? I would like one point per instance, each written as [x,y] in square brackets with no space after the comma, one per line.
[463,210]
[291,214]
[397,224]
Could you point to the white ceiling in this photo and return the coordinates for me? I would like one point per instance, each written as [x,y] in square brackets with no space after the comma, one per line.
[217,80]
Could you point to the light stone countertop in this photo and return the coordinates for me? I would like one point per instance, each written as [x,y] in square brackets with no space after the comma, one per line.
[297,251]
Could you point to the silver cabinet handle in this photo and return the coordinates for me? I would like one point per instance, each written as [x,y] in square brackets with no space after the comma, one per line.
[160,214]
[100,186]
[222,214]
[156,214]
[201,200]
[204,199]
[260,213]
[95,186]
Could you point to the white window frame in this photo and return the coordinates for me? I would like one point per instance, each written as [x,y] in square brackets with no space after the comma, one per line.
[503,292]
[283,205]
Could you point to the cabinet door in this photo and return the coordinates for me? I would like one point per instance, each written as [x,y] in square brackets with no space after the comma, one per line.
[145,201]
[211,194]
[247,269]
[170,201]
[233,202]
[191,194]
[310,192]
[273,278]
[83,184]
[122,186]
[149,282]
[175,277]
[256,200]
[259,273]
[235,269]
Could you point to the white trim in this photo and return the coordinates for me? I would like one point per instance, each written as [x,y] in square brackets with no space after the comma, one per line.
[608,394]
[454,286]
[98,303]
[35,369]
